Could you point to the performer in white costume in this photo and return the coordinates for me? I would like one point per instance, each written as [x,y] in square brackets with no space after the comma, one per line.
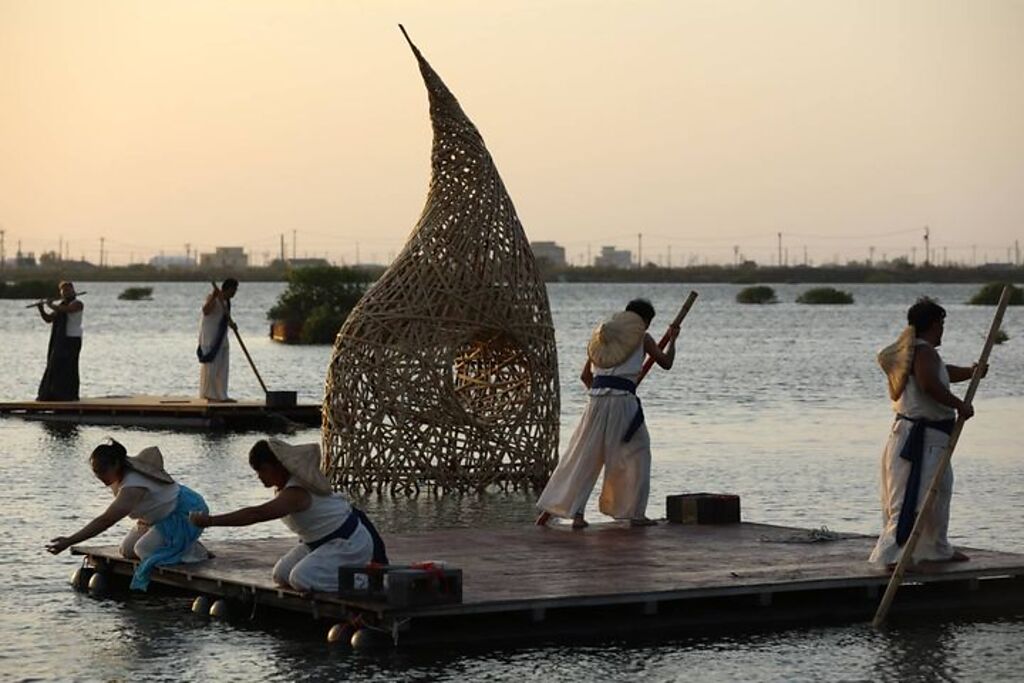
[925,414]
[331,531]
[213,351]
[611,433]
[145,492]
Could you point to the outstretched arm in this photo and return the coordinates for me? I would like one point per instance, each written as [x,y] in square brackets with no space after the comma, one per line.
[70,307]
[958,373]
[289,500]
[127,498]
[663,358]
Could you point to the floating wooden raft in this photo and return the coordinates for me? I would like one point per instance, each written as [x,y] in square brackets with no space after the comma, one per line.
[164,411]
[609,580]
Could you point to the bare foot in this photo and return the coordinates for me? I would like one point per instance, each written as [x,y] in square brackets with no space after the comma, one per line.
[542,520]
[579,523]
[642,521]
[959,557]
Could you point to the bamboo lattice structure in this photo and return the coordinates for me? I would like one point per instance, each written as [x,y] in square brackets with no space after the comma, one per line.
[445,374]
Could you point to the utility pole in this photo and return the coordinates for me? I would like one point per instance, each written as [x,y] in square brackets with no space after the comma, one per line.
[60,248]
[780,250]
[294,255]
[639,250]
[736,255]
[670,256]
[871,256]
[282,249]
[945,258]
[926,246]
[102,240]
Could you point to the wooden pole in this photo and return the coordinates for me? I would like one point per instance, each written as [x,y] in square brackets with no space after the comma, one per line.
[247,356]
[676,322]
[908,548]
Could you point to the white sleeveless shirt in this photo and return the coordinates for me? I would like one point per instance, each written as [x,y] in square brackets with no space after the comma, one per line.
[628,369]
[160,499]
[915,403]
[324,514]
[74,327]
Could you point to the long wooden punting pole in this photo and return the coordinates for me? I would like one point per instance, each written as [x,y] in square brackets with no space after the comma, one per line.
[43,301]
[908,548]
[665,337]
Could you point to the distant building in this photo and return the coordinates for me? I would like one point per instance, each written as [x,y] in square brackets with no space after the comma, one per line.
[300,263]
[610,257]
[228,258]
[25,259]
[550,252]
[174,261]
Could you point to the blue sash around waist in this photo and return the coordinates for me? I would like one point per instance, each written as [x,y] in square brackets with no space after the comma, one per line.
[622,384]
[348,527]
[913,451]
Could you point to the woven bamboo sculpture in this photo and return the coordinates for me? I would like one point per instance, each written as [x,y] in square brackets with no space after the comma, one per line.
[445,374]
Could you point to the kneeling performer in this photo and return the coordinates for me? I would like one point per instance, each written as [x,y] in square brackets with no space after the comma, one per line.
[331,531]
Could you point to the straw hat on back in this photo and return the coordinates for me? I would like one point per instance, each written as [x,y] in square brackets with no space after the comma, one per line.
[150,462]
[303,462]
[615,340]
[896,360]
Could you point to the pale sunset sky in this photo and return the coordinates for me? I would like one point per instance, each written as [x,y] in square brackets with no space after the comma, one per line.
[703,124]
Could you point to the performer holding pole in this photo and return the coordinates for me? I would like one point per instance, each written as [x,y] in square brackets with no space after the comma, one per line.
[60,380]
[213,349]
[611,433]
[918,443]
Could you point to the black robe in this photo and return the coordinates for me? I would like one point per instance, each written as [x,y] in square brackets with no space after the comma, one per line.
[60,381]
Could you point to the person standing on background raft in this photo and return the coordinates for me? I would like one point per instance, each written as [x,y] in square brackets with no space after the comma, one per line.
[611,433]
[144,492]
[213,342]
[60,380]
[332,532]
[926,412]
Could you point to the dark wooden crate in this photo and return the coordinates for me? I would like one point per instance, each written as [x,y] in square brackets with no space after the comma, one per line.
[402,586]
[703,508]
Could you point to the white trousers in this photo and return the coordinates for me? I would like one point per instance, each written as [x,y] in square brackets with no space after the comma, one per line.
[144,540]
[596,443]
[213,376]
[933,543]
[317,570]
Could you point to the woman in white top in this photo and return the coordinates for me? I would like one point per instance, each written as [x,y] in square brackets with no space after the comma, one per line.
[926,411]
[146,493]
[213,350]
[60,379]
[331,531]
[611,433]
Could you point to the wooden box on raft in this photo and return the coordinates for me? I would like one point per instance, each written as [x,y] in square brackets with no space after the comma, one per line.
[703,508]
[402,586]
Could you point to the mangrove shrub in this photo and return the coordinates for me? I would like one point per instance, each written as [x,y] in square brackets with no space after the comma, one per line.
[318,299]
[756,295]
[989,294]
[825,295]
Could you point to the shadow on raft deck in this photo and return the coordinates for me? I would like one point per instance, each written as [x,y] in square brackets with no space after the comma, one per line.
[610,580]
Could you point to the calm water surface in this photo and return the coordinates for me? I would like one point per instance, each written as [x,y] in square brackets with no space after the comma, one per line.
[781,404]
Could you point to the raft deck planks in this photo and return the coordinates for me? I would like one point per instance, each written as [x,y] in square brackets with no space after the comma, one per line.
[610,579]
[163,411]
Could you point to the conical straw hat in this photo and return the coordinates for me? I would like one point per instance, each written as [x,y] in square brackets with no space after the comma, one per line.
[896,360]
[303,462]
[150,462]
[615,340]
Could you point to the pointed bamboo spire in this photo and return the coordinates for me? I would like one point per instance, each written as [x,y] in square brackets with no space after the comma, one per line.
[445,374]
